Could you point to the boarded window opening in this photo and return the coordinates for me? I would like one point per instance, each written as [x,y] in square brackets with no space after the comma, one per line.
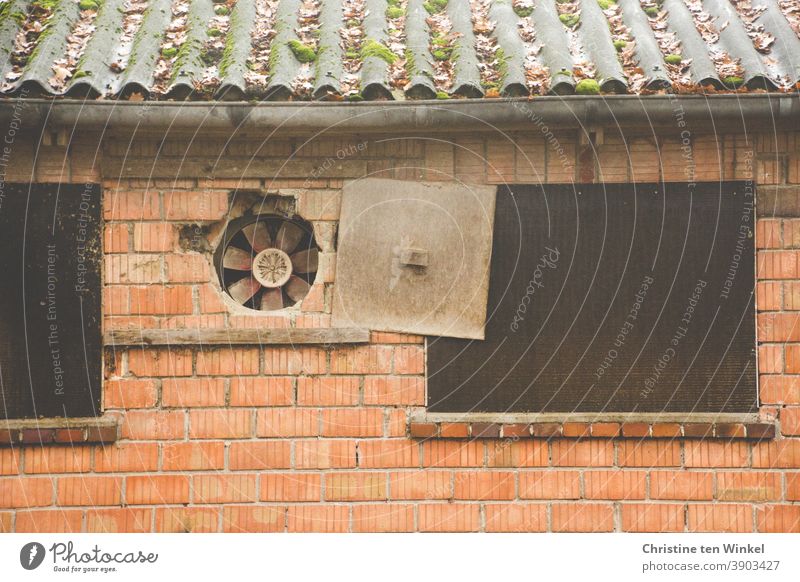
[50,341]
[611,298]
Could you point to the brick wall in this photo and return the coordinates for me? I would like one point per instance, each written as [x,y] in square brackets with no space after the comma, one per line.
[315,439]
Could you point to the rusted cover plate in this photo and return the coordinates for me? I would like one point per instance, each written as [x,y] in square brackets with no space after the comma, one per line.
[612,298]
[50,342]
[446,226]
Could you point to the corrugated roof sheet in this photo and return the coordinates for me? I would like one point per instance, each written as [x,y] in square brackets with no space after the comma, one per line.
[395,49]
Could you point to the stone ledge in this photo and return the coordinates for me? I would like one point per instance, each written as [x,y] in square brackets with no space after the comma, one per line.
[72,431]
[577,430]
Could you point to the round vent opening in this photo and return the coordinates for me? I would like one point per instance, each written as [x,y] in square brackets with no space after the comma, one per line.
[267,262]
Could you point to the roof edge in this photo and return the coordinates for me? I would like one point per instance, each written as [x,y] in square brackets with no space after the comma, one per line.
[726,113]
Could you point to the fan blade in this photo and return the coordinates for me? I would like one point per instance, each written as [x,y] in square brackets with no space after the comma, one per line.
[288,237]
[297,288]
[258,236]
[271,300]
[305,261]
[244,289]
[237,259]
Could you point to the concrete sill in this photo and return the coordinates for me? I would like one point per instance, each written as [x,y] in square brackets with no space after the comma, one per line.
[598,425]
[58,431]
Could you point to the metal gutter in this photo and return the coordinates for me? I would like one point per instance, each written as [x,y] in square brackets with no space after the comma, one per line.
[728,113]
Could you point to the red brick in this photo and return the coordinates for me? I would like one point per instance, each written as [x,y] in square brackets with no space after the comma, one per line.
[220,423]
[260,391]
[10,461]
[666,430]
[509,453]
[325,454]
[211,300]
[328,391]
[158,425]
[361,360]
[683,485]
[716,454]
[194,456]
[582,517]
[295,361]
[779,519]
[549,485]
[187,519]
[777,454]
[768,233]
[778,327]
[768,295]
[188,392]
[485,485]
[790,421]
[87,490]
[615,484]
[588,453]
[355,486]
[156,489]
[649,454]
[126,520]
[409,360]
[48,459]
[635,429]
[49,521]
[354,422]
[291,487]
[605,429]
[249,455]
[394,390]
[205,205]
[318,518]
[793,486]
[778,265]
[751,486]
[383,518]
[292,422]
[129,394]
[159,362]
[780,389]
[421,485]
[115,238]
[227,362]
[20,492]
[425,430]
[377,454]
[453,454]
[770,359]
[161,300]
[116,300]
[450,517]
[516,517]
[187,268]
[131,205]
[133,269]
[127,457]
[721,517]
[244,519]
[235,488]
[792,359]
[154,237]
[652,517]
[6,519]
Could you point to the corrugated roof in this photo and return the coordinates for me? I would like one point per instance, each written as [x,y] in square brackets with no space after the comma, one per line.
[395,49]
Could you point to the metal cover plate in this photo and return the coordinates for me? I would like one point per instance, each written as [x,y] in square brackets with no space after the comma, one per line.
[414,257]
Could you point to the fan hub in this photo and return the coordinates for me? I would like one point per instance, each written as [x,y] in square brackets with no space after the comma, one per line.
[272,268]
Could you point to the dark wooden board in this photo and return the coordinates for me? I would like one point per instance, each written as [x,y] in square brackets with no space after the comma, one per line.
[569,265]
[50,340]
[223,337]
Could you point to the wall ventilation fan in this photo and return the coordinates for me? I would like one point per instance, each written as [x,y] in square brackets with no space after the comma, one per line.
[267,262]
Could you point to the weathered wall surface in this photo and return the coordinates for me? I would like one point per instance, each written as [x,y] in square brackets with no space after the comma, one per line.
[317,439]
